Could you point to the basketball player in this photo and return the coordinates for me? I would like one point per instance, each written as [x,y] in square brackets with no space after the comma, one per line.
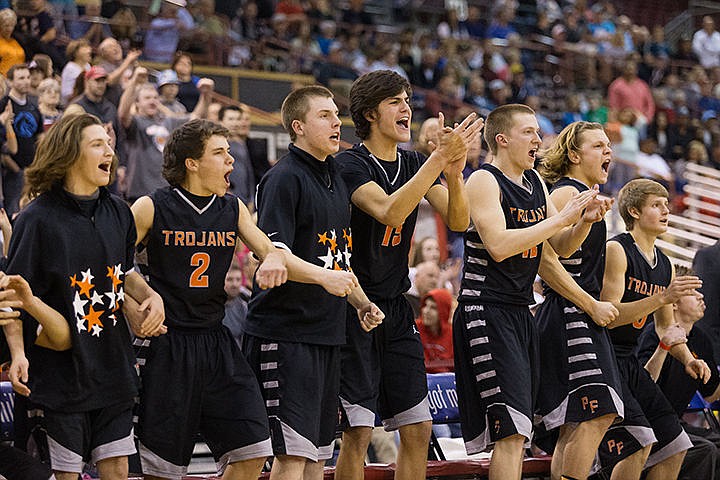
[74,243]
[639,281]
[581,387]
[384,371]
[294,332]
[496,349]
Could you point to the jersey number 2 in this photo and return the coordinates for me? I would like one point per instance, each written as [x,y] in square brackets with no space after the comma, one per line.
[392,236]
[201,260]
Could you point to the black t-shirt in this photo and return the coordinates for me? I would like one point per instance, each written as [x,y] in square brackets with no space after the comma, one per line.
[641,280]
[510,281]
[380,251]
[587,264]
[190,249]
[77,263]
[677,385]
[303,206]
[28,124]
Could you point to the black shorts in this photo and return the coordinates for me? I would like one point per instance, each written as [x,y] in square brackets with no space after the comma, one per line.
[300,384]
[496,372]
[198,382]
[578,371]
[649,418]
[87,437]
[383,371]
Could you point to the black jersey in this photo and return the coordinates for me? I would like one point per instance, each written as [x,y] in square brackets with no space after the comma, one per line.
[641,280]
[190,248]
[509,282]
[303,206]
[587,264]
[381,252]
[75,255]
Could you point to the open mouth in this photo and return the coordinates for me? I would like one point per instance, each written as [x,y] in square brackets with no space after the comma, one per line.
[105,166]
[227,177]
[404,122]
[532,153]
[605,166]
[335,137]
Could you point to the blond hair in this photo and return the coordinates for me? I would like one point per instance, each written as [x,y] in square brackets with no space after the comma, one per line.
[555,162]
[634,195]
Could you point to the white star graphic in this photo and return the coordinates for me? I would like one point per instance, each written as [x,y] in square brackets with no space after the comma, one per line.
[87,276]
[78,304]
[339,256]
[114,319]
[96,298]
[118,271]
[327,259]
[80,325]
[347,254]
[96,330]
[120,296]
[111,296]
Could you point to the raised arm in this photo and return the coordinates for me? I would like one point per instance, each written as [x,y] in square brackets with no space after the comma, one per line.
[127,99]
[206,87]
[392,210]
[487,216]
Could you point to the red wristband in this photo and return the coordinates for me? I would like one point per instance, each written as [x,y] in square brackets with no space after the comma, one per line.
[665,347]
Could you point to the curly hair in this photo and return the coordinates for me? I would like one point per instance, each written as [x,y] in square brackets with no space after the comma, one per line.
[187,141]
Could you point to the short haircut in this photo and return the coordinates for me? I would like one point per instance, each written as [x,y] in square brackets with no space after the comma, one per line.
[229,108]
[634,195]
[18,66]
[295,105]
[556,158]
[368,91]
[187,141]
[501,120]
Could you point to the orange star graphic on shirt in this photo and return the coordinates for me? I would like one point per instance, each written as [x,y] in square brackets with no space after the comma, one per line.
[333,244]
[115,280]
[73,281]
[93,318]
[323,238]
[85,287]
[348,239]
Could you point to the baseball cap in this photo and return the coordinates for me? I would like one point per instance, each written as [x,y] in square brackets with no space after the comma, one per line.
[496,84]
[95,72]
[167,76]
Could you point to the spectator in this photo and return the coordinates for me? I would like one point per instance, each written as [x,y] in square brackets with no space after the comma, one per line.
[500,26]
[163,36]
[355,16]
[168,87]
[11,52]
[629,91]
[706,44]
[429,71]
[94,102]
[664,134]
[189,93]
[388,60]
[236,305]
[572,110]
[48,100]
[36,30]
[242,179]
[597,111]
[436,331]
[40,69]
[115,65]
[426,278]
[80,53]
[147,131]
[27,126]
[88,27]
[474,24]
[653,166]
[213,112]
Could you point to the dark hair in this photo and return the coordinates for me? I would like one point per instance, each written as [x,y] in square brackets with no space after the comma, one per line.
[368,91]
[187,141]
[57,152]
[229,108]
[501,120]
[295,105]
[178,56]
[18,66]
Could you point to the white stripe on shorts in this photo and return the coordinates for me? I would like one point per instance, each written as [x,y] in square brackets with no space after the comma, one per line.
[478,341]
[585,373]
[579,341]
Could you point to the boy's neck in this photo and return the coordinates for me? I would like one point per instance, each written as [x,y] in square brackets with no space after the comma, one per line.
[381,147]
[644,240]
[507,166]
[685,323]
